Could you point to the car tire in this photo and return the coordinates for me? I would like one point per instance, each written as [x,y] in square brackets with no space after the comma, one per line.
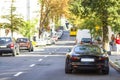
[29,49]
[68,69]
[0,54]
[32,49]
[14,53]
[106,70]
[18,51]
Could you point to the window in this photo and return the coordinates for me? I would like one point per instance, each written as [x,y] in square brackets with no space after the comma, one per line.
[87,49]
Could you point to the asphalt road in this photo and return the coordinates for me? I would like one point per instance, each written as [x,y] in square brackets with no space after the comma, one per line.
[47,63]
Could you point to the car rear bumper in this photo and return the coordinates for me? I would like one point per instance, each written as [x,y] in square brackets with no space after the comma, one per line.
[23,48]
[88,66]
[6,50]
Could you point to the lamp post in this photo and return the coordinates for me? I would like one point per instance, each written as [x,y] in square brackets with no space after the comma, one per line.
[11,16]
[28,10]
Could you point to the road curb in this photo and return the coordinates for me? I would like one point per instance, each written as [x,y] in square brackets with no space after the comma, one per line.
[116,67]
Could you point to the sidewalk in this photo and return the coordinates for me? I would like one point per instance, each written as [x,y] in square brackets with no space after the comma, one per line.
[115,60]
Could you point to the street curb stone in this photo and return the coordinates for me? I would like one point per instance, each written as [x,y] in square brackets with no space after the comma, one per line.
[116,67]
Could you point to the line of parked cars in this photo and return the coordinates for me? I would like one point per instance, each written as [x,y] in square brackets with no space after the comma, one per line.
[12,46]
[49,38]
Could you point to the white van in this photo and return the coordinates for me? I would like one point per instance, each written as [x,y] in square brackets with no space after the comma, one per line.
[84,33]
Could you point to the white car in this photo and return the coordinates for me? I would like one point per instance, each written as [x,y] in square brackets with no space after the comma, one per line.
[40,42]
[49,41]
[59,33]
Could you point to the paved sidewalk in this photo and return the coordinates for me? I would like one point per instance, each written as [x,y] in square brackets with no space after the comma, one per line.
[115,60]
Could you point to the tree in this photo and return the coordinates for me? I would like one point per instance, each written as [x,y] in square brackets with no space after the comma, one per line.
[106,10]
[14,20]
[51,10]
[28,29]
[94,25]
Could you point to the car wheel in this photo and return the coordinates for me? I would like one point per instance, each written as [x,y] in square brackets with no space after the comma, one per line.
[29,49]
[0,54]
[106,70]
[18,51]
[68,69]
[14,53]
[32,49]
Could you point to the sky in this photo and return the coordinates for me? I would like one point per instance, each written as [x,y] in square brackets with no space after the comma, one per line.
[26,8]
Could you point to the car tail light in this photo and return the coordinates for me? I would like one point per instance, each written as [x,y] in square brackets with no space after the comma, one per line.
[74,58]
[91,43]
[102,58]
[81,42]
[11,45]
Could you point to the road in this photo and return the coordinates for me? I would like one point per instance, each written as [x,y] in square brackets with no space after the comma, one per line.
[47,63]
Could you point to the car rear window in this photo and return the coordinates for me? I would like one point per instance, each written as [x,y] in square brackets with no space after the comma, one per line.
[22,40]
[4,40]
[86,39]
[79,49]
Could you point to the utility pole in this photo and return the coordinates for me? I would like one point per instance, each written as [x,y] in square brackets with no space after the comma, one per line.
[11,15]
[28,10]
[28,14]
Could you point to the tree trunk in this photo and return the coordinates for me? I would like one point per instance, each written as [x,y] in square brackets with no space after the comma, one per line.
[41,18]
[105,38]
[105,30]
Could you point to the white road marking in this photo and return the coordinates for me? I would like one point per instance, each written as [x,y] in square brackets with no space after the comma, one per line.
[40,59]
[32,65]
[19,73]
[50,53]
[46,56]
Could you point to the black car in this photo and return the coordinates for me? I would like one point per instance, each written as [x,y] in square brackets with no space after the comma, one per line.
[87,57]
[8,45]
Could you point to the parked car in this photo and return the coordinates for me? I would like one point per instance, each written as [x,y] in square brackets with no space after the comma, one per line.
[87,57]
[59,33]
[50,40]
[8,45]
[54,36]
[25,44]
[40,42]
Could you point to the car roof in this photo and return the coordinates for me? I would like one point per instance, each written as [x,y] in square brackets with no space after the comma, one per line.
[22,38]
[5,37]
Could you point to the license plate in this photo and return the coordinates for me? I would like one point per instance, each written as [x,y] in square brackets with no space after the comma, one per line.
[2,46]
[23,47]
[86,43]
[87,60]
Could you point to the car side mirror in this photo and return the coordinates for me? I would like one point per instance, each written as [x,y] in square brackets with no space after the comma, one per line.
[108,52]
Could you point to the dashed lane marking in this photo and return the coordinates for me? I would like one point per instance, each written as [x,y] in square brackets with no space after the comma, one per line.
[46,56]
[19,73]
[40,59]
[32,65]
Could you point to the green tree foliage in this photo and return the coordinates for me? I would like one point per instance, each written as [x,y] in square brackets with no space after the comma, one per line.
[28,29]
[107,11]
[14,21]
[51,10]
